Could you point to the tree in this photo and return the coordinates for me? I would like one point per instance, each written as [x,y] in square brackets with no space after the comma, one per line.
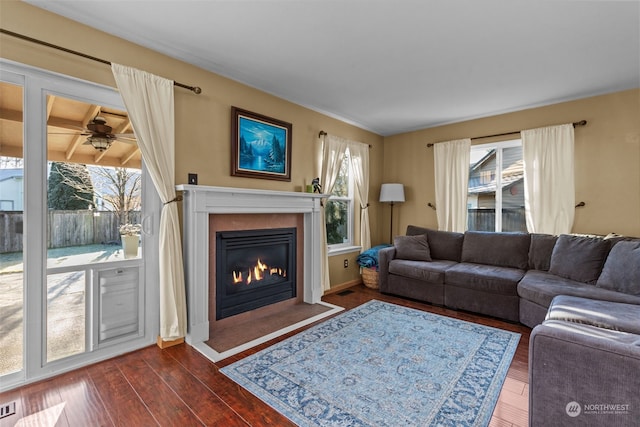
[11,162]
[69,187]
[119,188]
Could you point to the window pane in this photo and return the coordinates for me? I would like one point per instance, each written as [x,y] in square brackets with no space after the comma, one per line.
[481,198]
[11,229]
[92,192]
[513,218]
[341,187]
[337,215]
[65,314]
[496,188]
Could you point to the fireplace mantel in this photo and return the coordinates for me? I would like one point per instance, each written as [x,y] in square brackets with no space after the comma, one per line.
[201,201]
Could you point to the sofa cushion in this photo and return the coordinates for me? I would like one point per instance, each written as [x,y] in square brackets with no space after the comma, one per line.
[603,314]
[498,249]
[541,287]
[442,244]
[485,278]
[621,270]
[414,248]
[432,272]
[579,258]
[540,251]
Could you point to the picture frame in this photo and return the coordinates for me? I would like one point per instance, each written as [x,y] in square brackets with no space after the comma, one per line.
[260,146]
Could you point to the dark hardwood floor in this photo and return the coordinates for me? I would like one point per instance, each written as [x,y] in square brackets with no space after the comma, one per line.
[180,387]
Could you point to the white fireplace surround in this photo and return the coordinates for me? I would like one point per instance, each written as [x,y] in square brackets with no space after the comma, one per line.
[201,201]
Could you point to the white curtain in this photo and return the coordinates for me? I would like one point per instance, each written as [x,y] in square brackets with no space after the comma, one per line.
[359,154]
[451,168]
[549,193]
[150,105]
[333,151]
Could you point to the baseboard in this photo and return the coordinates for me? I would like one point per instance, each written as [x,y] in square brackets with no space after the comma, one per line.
[166,344]
[341,287]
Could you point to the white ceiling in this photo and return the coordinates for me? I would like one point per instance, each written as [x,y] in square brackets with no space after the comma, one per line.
[395,65]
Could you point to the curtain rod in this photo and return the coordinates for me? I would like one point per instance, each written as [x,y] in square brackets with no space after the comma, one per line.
[580,123]
[195,89]
[323,133]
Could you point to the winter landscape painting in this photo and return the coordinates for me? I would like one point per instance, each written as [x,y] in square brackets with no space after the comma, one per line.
[261,146]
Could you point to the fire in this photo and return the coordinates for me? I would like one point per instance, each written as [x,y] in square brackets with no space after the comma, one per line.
[257,273]
[237,277]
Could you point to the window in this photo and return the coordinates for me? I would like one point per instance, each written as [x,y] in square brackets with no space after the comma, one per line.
[496,187]
[339,209]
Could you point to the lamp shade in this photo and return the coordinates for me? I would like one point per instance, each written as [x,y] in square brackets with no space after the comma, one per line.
[392,193]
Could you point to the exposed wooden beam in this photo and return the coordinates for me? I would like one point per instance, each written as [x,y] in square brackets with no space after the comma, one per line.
[58,122]
[129,155]
[51,99]
[11,115]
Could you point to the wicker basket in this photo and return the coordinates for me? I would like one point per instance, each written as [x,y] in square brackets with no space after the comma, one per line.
[370,278]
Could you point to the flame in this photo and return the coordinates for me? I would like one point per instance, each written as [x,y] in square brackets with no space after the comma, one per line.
[257,273]
[237,277]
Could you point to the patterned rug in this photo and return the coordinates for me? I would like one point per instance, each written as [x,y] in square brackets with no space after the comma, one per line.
[381,364]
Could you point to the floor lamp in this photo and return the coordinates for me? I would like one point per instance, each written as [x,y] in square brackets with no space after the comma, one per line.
[391,193]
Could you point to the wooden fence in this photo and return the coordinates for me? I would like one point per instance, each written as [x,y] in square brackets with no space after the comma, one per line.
[485,219]
[65,228]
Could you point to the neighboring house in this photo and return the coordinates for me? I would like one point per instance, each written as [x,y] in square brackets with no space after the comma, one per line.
[11,189]
[483,183]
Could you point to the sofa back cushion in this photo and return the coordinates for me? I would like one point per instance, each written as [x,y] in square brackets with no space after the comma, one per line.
[621,270]
[415,248]
[540,251]
[499,249]
[579,258]
[444,245]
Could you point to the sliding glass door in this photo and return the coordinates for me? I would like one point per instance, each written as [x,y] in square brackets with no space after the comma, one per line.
[71,292]
[11,227]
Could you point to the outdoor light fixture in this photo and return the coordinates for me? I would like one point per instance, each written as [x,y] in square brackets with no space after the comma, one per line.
[100,143]
[391,193]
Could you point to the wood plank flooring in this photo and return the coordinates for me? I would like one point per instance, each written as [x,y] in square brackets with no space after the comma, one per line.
[178,386]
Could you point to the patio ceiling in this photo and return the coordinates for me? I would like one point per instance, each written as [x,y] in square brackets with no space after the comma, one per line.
[66,119]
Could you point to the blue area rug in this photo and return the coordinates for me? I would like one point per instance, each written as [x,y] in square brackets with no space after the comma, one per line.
[381,364]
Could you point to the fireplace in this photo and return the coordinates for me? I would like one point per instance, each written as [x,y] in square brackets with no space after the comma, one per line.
[254,268]
[208,210]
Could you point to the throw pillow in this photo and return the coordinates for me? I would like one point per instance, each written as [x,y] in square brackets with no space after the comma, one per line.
[446,245]
[579,258]
[621,270]
[540,251]
[415,248]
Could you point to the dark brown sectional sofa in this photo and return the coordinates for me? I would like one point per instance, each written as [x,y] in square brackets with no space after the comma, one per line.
[512,276]
[580,294]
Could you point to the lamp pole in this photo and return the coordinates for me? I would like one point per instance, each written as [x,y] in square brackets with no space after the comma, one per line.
[391,225]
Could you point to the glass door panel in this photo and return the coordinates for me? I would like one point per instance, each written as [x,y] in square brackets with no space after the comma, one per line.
[11,229]
[66,314]
[93,209]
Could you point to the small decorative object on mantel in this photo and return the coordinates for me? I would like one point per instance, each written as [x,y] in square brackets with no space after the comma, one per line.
[130,234]
[260,146]
[317,187]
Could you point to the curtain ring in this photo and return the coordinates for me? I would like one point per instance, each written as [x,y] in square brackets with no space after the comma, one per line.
[175,199]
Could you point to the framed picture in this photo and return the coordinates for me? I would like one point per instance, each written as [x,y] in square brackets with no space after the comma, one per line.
[260,146]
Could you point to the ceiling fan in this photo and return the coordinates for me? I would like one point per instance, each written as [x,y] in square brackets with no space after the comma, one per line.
[100,136]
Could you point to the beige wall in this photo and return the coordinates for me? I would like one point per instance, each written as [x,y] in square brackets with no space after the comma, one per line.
[202,121]
[607,162]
